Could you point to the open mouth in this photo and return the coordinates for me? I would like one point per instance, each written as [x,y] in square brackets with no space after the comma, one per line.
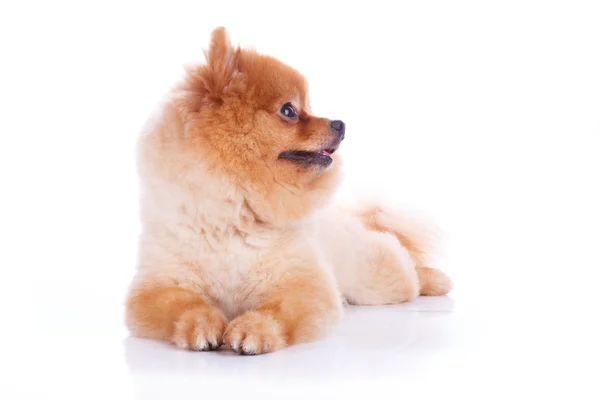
[310,158]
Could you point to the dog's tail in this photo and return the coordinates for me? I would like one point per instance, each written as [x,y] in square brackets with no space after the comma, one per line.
[416,236]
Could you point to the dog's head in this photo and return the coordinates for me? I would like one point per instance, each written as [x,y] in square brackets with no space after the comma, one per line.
[249,115]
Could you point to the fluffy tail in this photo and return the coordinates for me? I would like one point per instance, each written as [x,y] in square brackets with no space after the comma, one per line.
[417,237]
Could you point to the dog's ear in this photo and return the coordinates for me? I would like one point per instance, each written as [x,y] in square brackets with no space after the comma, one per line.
[221,66]
[221,55]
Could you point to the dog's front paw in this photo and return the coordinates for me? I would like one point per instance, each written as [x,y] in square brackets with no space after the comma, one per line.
[200,329]
[254,333]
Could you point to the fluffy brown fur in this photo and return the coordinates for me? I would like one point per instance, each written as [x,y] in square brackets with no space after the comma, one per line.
[239,244]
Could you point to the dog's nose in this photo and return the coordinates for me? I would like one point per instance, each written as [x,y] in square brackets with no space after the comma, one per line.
[339,127]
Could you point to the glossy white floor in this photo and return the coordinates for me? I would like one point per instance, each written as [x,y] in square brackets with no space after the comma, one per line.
[428,348]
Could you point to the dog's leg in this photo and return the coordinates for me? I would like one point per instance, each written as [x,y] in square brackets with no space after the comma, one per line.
[301,305]
[168,312]
[414,236]
[384,272]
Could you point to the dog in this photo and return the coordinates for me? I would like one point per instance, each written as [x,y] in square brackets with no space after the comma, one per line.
[241,244]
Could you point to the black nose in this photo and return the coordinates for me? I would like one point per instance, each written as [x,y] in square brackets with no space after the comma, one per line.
[339,127]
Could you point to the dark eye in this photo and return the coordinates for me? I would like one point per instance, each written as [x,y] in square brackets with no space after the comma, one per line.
[288,111]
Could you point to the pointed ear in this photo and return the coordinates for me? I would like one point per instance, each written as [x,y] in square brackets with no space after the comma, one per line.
[222,63]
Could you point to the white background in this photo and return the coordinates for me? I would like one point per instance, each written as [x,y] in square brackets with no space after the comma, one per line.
[483,115]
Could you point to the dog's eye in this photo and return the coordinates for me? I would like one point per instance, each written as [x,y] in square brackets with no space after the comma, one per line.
[288,111]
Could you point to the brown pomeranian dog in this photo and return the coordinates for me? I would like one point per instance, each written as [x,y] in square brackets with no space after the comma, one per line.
[239,243]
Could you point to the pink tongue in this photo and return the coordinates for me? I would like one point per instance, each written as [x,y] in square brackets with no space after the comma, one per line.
[326,153]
